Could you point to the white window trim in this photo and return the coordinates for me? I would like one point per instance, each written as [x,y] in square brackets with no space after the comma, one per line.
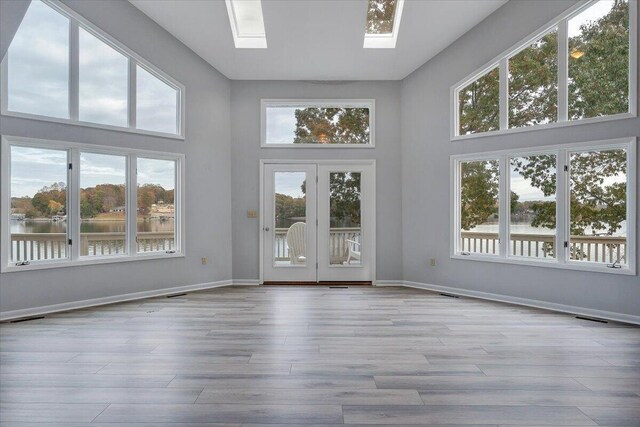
[317,103]
[76,22]
[73,204]
[501,61]
[385,41]
[562,260]
[254,41]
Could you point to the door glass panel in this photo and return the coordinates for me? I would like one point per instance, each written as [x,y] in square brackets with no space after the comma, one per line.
[38,223]
[103,199]
[532,226]
[290,245]
[345,218]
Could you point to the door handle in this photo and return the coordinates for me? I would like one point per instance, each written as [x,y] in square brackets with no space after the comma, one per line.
[266,228]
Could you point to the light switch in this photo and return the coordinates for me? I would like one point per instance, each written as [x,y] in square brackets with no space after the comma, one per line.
[252,214]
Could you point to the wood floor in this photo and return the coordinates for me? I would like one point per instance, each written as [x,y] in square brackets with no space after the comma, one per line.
[314,355]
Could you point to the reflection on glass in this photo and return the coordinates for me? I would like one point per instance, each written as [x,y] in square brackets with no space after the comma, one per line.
[38,64]
[599,60]
[380,16]
[532,227]
[317,125]
[103,82]
[156,205]
[479,207]
[156,103]
[345,213]
[598,217]
[290,246]
[38,216]
[479,105]
[533,83]
[103,199]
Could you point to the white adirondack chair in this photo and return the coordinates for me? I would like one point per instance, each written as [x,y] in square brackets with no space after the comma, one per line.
[354,251]
[297,243]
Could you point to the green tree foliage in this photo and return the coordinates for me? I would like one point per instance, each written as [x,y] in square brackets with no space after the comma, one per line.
[479,185]
[332,126]
[479,104]
[101,198]
[598,80]
[598,85]
[150,194]
[57,193]
[345,196]
[288,208]
[380,15]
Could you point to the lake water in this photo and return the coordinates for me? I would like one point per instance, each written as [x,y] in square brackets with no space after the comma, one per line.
[108,226]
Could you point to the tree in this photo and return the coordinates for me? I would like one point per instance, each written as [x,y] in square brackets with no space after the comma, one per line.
[479,104]
[57,193]
[380,16]
[332,126]
[345,196]
[479,185]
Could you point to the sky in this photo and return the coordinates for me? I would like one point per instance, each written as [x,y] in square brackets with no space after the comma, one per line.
[281,125]
[38,76]
[34,168]
[593,13]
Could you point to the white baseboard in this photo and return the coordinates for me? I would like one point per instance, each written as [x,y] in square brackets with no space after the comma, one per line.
[589,312]
[47,309]
[246,282]
[389,282]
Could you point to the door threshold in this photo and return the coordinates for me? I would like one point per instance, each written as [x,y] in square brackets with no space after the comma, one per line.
[327,283]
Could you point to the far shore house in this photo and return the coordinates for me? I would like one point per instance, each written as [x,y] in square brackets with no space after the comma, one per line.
[118,209]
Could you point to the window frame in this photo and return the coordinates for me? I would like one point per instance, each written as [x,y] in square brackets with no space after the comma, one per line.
[385,40]
[73,204]
[502,61]
[562,259]
[76,21]
[347,103]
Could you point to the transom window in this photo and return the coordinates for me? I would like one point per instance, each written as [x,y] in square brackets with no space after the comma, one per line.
[570,206]
[331,123]
[59,67]
[71,204]
[579,67]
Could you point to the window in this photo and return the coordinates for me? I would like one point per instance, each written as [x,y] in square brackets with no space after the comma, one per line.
[579,67]
[247,23]
[317,123]
[61,68]
[103,80]
[570,206]
[533,83]
[479,104]
[156,104]
[103,204]
[479,206]
[383,23]
[156,205]
[38,64]
[75,204]
[38,204]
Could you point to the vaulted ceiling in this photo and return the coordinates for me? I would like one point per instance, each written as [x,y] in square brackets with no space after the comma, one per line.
[318,39]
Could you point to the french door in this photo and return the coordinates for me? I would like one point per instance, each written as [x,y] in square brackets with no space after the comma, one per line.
[318,222]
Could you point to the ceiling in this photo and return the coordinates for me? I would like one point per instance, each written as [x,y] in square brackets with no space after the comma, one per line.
[317,39]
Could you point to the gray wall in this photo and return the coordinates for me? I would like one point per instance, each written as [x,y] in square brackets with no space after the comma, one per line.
[426,148]
[11,13]
[246,154]
[207,150]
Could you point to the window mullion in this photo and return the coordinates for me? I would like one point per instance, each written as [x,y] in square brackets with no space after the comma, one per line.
[563,71]
[132,204]
[504,93]
[503,209]
[562,206]
[73,204]
[74,70]
[132,95]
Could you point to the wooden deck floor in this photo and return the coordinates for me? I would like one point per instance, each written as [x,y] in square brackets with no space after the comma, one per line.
[314,355]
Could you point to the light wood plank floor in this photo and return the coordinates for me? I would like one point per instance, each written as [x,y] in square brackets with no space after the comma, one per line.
[321,356]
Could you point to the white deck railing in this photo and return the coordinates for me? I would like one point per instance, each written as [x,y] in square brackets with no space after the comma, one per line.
[337,243]
[606,249]
[43,246]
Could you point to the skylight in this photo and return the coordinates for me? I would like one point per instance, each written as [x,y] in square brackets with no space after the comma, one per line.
[247,23]
[383,22]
